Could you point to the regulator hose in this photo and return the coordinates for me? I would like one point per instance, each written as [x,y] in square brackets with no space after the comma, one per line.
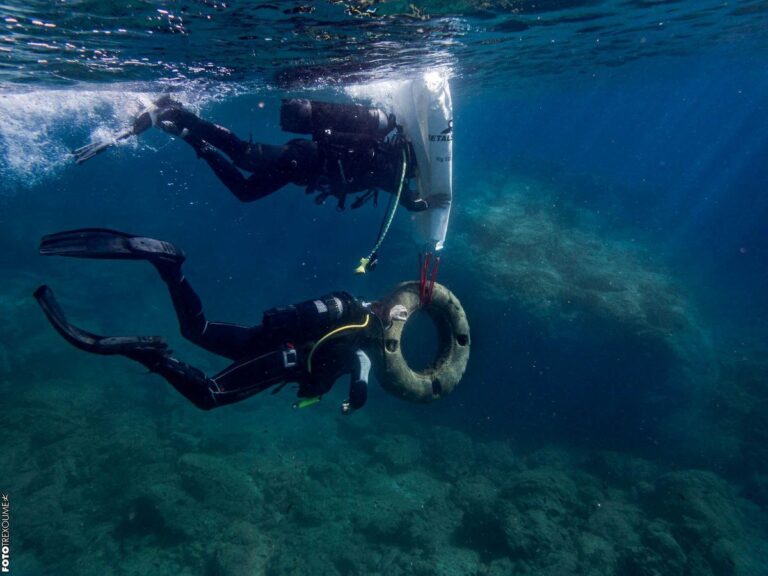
[369,262]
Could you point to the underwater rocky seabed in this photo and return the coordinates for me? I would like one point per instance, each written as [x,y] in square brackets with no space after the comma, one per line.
[112,473]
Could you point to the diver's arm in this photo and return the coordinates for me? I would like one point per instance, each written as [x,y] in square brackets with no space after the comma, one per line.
[232,341]
[412,201]
[358,383]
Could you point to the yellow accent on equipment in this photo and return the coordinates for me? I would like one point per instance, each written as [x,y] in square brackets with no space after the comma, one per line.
[307,402]
[363,266]
[333,333]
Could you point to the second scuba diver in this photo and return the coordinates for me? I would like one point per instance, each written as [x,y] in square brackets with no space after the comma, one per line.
[354,153]
[354,149]
[312,343]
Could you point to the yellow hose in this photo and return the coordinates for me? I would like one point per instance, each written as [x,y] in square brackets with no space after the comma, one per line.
[333,333]
[363,266]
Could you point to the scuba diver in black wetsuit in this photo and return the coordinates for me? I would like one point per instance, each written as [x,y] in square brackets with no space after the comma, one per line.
[311,343]
[354,149]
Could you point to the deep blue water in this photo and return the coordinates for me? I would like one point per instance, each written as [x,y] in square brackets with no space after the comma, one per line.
[607,241]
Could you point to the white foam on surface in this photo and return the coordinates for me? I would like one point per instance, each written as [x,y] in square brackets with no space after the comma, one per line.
[40,128]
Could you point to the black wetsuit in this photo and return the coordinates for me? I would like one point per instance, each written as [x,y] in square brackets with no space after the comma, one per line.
[329,165]
[265,355]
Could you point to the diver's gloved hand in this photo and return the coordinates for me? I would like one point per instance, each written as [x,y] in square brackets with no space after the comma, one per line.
[438,201]
[351,404]
[358,386]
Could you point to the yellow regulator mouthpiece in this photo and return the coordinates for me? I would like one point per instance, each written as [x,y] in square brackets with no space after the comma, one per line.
[363,267]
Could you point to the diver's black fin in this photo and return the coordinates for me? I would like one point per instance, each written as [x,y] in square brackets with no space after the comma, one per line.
[109,244]
[88,151]
[131,346]
[142,122]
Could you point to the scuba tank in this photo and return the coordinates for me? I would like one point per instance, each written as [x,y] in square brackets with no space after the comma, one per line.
[309,318]
[321,119]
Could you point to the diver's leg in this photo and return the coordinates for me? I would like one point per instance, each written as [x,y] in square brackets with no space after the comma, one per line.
[232,341]
[179,121]
[228,340]
[257,186]
[189,381]
[235,383]
[249,156]
[254,374]
[151,351]
[273,167]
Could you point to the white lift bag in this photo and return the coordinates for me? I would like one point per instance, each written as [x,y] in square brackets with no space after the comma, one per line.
[423,108]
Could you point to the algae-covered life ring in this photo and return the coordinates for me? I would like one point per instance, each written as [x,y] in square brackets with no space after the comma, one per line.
[442,376]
